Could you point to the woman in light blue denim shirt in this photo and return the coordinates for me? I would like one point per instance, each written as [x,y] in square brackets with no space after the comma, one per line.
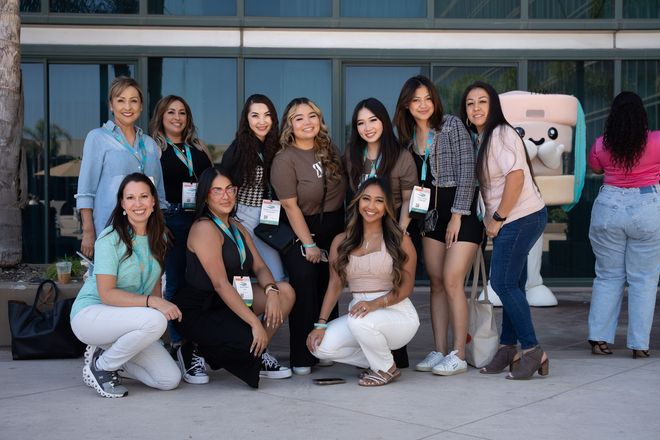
[112,152]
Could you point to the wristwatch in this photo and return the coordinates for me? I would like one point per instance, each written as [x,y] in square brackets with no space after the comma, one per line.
[498,218]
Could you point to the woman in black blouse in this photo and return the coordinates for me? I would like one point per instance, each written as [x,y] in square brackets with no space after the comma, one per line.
[248,159]
[184,157]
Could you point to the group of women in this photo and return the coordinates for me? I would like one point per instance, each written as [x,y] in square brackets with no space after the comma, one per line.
[226,292]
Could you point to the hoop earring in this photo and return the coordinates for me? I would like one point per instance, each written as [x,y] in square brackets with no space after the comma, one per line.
[467,122]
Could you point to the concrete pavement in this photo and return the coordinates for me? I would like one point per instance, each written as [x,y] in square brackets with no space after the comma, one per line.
[584,397]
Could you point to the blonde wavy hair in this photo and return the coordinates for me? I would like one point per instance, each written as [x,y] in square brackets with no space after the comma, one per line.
[325,150]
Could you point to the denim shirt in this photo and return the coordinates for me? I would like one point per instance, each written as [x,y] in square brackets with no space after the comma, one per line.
[105,163]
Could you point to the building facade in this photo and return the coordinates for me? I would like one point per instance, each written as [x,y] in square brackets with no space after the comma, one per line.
[215,53]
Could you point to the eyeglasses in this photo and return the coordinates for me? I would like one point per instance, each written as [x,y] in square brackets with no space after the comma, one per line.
[324,253]
[230,191]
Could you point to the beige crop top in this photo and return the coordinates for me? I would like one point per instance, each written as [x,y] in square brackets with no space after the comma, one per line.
[371,272]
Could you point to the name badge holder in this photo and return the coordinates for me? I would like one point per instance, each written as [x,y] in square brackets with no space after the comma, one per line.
[270,212]
[188,193]
[420,200]
[243,286]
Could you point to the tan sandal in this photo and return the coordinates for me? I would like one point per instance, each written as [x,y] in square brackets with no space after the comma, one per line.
[379,378]
[364,373]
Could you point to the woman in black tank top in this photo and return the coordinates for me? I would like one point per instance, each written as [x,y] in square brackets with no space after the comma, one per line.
[222,306]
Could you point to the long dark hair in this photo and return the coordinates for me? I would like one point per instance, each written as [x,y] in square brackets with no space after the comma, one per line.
[156,231]
[389,146]
[403,119]
[204,185]
[324,149]
[189,135]
[248,143]
[392,234]
[494,119]
[626,130]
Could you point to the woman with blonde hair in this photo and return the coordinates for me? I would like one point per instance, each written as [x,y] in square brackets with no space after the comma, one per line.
[309,180]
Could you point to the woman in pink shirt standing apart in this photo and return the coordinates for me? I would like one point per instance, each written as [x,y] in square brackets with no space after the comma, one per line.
[625,226]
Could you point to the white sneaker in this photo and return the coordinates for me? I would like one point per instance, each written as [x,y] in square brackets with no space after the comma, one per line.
[302,371]
[272,369]
[450,365]
[325,363]
[431,360]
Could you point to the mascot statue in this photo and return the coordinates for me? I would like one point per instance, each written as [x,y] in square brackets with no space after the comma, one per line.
[547,123]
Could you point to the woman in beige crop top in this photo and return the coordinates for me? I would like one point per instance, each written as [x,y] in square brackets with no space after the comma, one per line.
[378,262]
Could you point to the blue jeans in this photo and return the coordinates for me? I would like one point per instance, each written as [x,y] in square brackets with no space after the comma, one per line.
[508,275]
[625,237]
[179,223]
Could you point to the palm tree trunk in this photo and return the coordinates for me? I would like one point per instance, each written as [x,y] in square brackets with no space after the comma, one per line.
[12,165]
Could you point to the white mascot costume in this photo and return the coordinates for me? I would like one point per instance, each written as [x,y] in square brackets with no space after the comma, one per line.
[546,123]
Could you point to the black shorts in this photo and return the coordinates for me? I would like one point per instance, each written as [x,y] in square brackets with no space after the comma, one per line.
[472,230]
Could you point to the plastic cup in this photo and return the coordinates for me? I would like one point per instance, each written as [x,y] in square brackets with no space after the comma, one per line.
[63,272]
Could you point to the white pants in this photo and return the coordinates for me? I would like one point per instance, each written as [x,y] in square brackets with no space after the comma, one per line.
[249,217]
[130,337]
[369,341]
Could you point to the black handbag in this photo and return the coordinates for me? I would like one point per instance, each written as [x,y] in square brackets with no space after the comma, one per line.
[37,334]
[280,237]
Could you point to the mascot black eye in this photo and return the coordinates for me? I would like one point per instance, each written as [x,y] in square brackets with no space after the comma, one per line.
[553,133]
[521,131]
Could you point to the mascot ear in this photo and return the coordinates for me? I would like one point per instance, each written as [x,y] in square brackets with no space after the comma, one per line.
[550,154]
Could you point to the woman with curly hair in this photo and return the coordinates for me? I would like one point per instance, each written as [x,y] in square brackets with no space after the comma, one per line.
[249,158]
[378,262]
[625,226]
[309,180]
[183,159]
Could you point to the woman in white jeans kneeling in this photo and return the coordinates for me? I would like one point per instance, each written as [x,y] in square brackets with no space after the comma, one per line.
[378,262]
[119,311]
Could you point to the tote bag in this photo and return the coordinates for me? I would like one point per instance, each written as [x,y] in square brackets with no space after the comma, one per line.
[483,339]
[37,334]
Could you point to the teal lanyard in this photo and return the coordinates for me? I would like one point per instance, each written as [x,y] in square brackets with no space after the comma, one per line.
[374,164]
[429,142]
[234,235]
[187,159]
[140,156]
[143,278]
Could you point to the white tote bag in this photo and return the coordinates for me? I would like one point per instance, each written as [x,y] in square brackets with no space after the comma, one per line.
[483,340]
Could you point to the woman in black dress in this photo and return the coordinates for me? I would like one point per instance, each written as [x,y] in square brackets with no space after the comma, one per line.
[221,307]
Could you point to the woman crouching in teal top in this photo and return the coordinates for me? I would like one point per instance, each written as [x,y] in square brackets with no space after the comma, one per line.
[119,311]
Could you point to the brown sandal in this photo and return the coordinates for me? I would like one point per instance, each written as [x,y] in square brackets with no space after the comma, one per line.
[600,348]
[379,378]
[642,354]
[505,357]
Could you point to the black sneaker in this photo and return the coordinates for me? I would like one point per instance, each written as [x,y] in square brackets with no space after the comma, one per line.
[192,366]
[271,368]
[106,383]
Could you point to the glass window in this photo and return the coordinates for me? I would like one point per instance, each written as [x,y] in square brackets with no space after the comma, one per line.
[30,5]
[360,84]
[642,77]
[209,87]
[95,6]
[77,104]
[477,9]
[641,9]
[193,7]
[288,8]
[451,81]
[384,8]
[33,215]
[562,9]
[283,80]
[592,83]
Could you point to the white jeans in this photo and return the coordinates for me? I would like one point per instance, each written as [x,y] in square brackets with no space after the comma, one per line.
[368,342]
[129,336]
[249,217]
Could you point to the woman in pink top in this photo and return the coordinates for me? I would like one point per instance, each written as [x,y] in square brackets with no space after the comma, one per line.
[378,262]
[625,226]
[515,218]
